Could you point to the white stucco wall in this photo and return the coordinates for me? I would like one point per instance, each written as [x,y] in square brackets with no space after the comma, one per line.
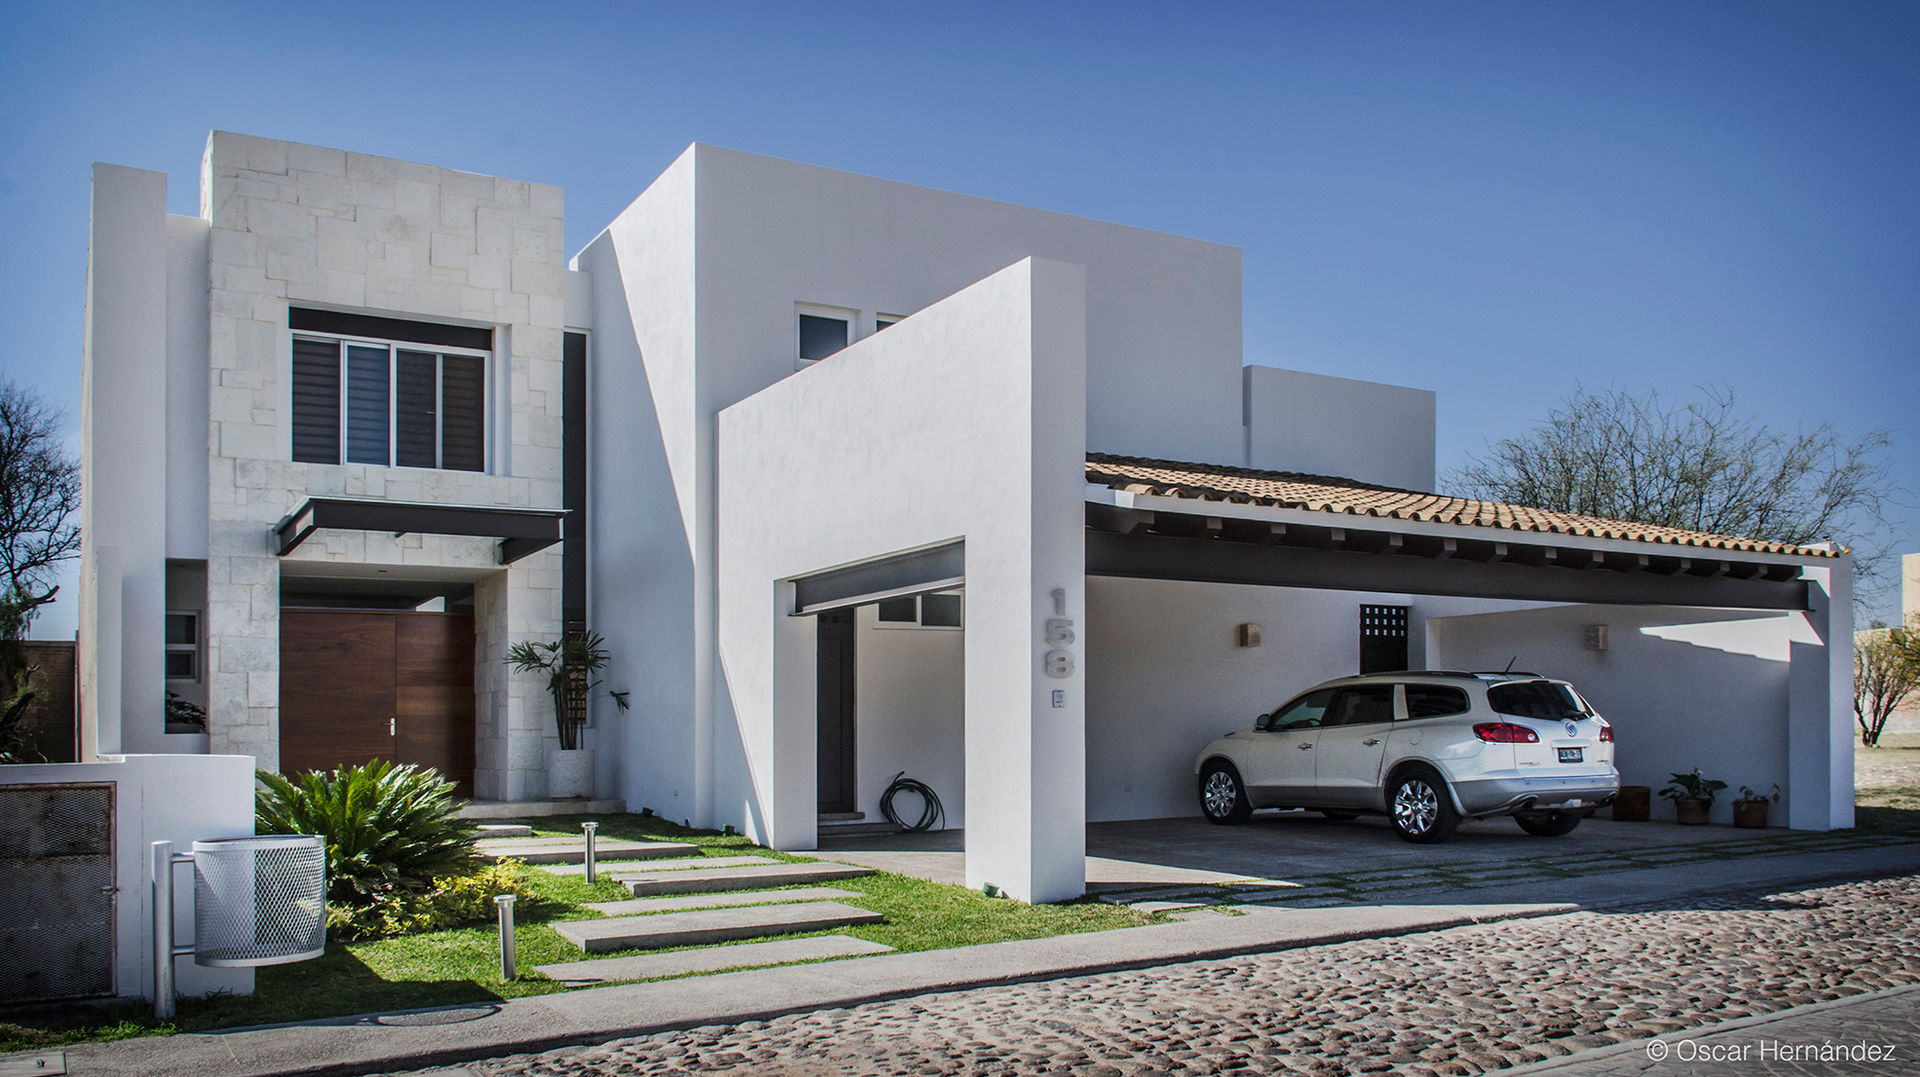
[1322,425]
[187,390]
[176,798]
[1683,688]
[1166,676]
[909,714]
[963,422]
[695,287]
[644,489]
[123,464]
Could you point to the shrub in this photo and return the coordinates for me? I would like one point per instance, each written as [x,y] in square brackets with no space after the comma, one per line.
[454,901]
[388,828]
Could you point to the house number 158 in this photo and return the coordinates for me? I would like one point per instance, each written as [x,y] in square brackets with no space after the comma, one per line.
[1059,636]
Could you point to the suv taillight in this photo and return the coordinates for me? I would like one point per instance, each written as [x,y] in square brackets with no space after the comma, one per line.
[1505,733]
[1606,734]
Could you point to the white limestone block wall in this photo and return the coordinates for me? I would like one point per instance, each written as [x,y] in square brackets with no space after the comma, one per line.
[305,225]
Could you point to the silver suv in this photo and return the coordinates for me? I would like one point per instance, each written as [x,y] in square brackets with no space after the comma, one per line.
[1428,748]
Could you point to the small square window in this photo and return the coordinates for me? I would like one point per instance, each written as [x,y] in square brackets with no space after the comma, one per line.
[881,321]
[182,637]
[821,336]
[940,611]
[899,610]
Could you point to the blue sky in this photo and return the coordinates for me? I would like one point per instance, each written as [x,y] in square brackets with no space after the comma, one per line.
[1499,201]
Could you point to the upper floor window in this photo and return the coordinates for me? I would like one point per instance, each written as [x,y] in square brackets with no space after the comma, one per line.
[360,400]
[823,332]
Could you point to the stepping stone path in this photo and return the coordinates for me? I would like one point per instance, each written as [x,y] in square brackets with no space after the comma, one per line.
[711,959]
[699,927]
[574,850]
[708,880]
[639,906]
[712,899]
[505,830]
[620,869]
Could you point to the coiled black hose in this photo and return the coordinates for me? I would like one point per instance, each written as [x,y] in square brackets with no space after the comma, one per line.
[930,810]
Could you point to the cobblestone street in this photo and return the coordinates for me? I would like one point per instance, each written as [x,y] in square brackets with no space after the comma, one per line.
[1463,1001]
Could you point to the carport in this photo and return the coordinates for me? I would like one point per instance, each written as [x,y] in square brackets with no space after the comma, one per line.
[1704,650]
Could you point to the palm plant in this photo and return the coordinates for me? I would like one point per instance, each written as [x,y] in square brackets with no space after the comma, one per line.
[387,827]
[569,664]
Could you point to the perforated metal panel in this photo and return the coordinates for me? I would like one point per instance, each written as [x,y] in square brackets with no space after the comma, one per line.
[56,892]
[259,901]
[1383,638]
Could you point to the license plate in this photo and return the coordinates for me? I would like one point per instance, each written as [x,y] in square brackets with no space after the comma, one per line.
[1572,755]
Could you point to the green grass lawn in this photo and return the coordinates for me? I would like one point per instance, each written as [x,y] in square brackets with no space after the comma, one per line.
[462,966]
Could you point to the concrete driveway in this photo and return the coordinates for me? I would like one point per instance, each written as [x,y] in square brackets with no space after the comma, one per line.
[1305,858]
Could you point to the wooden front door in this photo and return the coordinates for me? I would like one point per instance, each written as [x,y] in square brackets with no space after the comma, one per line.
[357,685]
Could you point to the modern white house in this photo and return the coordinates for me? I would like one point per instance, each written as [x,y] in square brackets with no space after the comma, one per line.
[855,477]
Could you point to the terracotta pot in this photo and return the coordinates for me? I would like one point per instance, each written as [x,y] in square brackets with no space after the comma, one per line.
[1751,813]
[1691,812]
[1634,804]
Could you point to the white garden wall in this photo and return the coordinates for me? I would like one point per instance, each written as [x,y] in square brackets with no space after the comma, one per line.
[176,798]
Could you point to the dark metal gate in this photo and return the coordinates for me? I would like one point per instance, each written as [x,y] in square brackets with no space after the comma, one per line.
[1383,639]
[56,892]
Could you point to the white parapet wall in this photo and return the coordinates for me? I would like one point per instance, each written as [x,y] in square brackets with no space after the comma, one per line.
[966,422]
[177,798]
[1319,424]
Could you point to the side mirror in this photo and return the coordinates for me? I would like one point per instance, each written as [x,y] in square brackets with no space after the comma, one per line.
[1261,722]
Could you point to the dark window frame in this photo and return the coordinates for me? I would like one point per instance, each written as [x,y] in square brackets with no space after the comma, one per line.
[919,619]
[196,648]
[479,371]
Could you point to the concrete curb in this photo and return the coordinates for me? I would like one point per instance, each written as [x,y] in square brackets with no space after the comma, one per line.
[1581,1059]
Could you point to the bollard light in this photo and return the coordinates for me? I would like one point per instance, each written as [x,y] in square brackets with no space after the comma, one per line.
[590,828]
[508,971]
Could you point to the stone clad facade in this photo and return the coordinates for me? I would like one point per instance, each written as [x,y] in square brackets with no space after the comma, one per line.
[305,226]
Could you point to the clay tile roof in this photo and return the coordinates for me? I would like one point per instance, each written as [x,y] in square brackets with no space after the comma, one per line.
[1324,493]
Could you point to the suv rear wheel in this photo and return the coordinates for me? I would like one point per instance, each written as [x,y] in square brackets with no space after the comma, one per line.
[1222,797]
[1421,810]
[1549,824]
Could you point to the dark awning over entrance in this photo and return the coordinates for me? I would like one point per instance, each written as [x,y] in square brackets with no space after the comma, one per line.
[520,531]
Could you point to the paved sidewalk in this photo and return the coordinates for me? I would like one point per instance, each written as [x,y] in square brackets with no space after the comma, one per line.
[1864,1034]
[451,1036]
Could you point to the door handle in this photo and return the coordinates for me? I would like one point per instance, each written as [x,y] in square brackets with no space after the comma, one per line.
[1304,747]
[1371,741]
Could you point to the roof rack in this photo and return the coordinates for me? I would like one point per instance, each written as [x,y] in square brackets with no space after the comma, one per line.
[1510,674]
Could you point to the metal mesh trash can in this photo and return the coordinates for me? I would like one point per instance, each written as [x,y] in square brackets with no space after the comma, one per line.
[259,901]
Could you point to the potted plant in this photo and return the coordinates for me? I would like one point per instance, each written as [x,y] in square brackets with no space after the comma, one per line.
[1692,796]
[1750,808]
[569,664]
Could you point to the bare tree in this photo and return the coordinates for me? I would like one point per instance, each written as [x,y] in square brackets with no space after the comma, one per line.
[1886,675]
[39,491]
[1702,466]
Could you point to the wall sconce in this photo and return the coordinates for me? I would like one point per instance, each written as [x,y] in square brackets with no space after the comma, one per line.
[1247,635]
[1596,637]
